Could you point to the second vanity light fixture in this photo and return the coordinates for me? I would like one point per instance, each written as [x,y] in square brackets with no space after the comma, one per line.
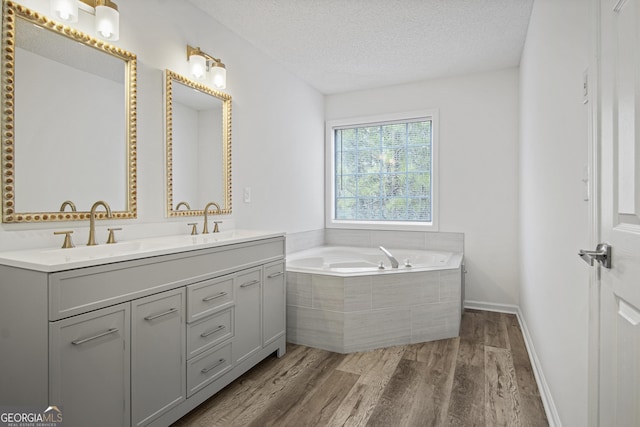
[200,63]
[107,23]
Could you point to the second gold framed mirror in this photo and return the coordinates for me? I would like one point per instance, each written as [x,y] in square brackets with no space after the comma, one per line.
[198,146]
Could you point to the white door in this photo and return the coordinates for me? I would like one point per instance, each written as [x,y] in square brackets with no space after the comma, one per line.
[619,110]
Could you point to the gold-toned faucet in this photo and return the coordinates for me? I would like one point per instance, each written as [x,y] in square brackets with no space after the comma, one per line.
[205,229]
[92,221]
[68,203]
[185,204]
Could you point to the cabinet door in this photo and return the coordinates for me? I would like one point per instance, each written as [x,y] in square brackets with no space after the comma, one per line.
[248,339]
[273,307]
[89,367]
[157,355]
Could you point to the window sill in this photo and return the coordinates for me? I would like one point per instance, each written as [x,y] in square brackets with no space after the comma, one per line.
[382,225]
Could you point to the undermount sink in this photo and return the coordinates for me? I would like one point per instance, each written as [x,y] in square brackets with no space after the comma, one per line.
[55,259]
[98,251]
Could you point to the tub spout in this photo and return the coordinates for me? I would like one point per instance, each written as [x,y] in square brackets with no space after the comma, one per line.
[392,259]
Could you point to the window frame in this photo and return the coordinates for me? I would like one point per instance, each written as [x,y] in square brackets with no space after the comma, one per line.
[332,125]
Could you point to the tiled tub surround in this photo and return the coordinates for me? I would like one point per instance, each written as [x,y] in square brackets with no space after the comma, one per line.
[347,313]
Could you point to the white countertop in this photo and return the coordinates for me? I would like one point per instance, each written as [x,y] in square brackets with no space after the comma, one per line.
[58,259]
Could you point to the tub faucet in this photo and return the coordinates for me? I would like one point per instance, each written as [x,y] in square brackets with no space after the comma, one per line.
[392,259]
[92,220]
[205,228]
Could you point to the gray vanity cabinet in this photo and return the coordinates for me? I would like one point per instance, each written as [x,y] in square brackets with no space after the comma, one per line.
[274,297]
[158,369]
[89,367]
[141,341]
[248,292]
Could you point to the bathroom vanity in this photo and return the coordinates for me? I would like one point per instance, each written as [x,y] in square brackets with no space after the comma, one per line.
[138,333]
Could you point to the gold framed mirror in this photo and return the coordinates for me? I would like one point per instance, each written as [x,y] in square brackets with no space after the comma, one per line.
[68,121]
[198,146]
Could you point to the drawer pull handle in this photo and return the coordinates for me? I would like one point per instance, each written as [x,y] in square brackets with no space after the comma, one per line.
[212,297]
[271,276]
[84,340]
[220,362]
[253,282]
[155,316]
[213,331]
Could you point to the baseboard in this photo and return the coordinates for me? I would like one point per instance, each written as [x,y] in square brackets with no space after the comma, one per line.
[488,306]
[545,394]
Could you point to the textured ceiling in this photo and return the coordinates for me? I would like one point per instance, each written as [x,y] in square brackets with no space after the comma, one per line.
[344,45]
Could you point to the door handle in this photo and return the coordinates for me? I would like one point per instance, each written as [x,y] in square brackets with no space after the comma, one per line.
[155,316]
[602,254]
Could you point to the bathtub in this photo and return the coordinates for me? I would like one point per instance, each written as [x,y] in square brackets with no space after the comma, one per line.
[338,298]
[347,261]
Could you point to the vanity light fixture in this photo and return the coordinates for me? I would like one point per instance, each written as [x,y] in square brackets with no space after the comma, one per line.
[107,23]
[200,63]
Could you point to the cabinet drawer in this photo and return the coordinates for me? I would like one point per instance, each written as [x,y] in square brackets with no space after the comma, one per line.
[206,368]
[207,333]
[82,290]
[207,297]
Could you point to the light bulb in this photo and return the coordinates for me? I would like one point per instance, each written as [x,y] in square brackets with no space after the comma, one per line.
[65,10]
[198,66]
[108,22]
[219,75]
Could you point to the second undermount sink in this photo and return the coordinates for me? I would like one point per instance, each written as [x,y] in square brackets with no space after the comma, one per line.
[225,235]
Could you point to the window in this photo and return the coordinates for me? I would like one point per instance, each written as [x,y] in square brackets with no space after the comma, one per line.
[383,171]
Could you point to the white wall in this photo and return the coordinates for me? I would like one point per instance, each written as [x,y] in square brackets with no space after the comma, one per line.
[478,180]
[554,217]
[278,128]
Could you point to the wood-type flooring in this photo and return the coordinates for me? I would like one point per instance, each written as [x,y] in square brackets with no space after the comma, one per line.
[481,378]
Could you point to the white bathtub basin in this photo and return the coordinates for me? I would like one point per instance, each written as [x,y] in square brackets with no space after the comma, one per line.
[347,261]
[56,259]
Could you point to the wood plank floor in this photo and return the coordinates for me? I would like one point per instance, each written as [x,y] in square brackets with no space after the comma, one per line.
[481,378]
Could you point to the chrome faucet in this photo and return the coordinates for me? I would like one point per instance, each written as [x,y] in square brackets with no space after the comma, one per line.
[92,221]
[205,229]
[392,259]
